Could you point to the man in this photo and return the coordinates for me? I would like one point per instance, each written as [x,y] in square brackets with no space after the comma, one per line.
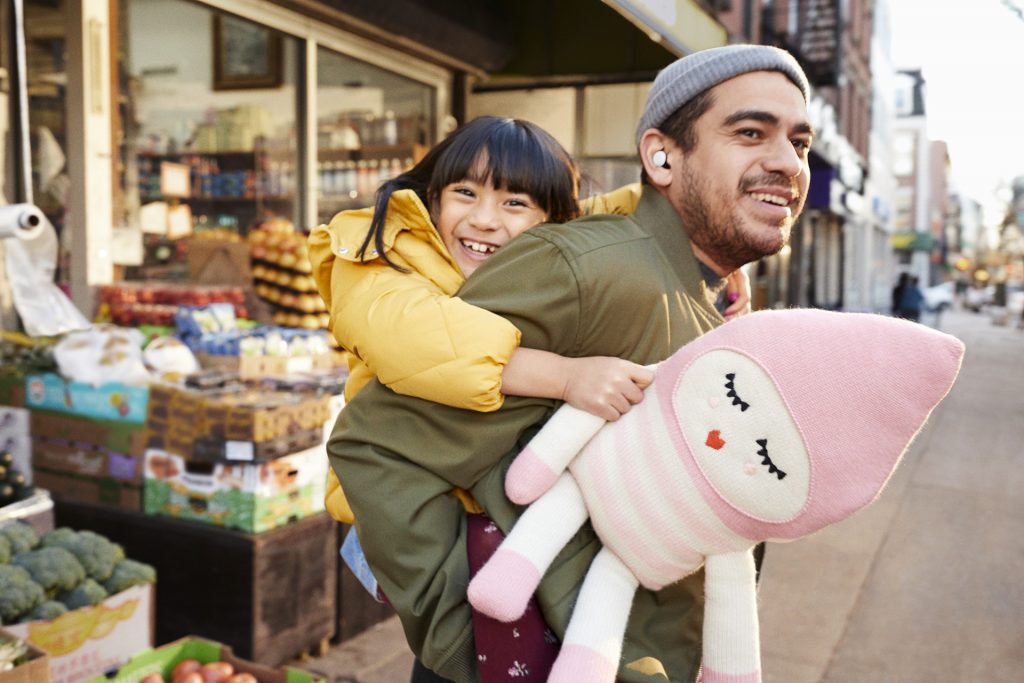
[723,140]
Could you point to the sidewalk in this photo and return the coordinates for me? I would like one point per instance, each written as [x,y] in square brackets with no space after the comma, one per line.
[925,586]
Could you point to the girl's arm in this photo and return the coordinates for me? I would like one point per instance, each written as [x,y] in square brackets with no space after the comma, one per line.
[600,385]
[738,290]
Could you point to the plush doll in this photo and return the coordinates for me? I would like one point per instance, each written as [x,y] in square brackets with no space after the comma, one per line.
[771,427]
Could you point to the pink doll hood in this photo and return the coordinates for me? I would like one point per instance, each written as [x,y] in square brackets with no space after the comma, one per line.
[858,386]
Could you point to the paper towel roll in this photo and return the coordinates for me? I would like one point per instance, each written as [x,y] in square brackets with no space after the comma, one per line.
[21,221]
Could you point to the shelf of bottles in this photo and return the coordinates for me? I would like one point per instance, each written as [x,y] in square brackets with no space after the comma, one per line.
[349,178]
[232,176]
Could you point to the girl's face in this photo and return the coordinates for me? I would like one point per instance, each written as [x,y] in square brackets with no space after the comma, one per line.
[475,219]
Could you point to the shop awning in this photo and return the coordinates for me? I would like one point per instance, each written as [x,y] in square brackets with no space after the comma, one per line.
[534,39]
[682,26]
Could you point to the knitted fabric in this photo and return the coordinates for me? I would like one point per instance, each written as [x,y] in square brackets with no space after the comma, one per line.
[691,75]
[772,426]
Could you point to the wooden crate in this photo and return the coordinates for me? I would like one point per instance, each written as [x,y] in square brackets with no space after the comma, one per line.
[270,596]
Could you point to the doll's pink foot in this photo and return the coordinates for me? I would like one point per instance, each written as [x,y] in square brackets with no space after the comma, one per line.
[528,477]
[579,663]
[503,586]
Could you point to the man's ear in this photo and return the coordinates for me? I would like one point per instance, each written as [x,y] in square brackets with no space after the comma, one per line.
[658,152]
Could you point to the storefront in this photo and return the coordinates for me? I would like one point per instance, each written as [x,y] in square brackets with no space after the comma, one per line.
[154,120]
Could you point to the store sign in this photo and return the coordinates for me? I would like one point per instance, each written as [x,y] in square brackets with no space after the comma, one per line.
[817,40]
[912,241]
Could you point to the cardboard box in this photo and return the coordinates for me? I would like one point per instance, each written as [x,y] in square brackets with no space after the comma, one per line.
[85,473]
[85,642]
[117,436]
[251,497]
[113,401]
[162,661]
[215,262]
[35,670]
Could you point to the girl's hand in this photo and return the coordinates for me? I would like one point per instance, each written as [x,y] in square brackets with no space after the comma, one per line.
[737,288]
[604,386]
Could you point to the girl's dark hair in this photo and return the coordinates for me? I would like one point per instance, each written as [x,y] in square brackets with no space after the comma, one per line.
[511,154]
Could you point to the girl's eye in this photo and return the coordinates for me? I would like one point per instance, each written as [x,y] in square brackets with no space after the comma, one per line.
[464,191]
[731,393]
[519,202]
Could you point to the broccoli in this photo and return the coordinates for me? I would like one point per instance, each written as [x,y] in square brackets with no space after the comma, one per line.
[55,569]
[21,536]
[5,550]
[46,611]
[96,553]
[18,593]
[85,594]
[57,537]
[128,573]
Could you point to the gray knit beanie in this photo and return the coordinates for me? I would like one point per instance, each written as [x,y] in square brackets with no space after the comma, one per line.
[685,78]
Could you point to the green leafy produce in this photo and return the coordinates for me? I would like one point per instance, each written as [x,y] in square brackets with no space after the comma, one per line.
[46,611]
[21,536]
[12,653]
[128,573]
[85,594]
[55,569]
[95,552]
[5,550]
[18,592]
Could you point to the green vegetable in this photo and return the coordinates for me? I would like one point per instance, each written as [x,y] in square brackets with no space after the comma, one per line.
[21,536]
[55,569]
[95,552]
[46,611]
[18,592]
[85,594]
[128,573]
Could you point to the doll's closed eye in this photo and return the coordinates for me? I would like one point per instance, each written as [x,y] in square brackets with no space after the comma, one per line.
[736,400]
[767,461]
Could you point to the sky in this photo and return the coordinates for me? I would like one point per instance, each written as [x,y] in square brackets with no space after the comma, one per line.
[972,56]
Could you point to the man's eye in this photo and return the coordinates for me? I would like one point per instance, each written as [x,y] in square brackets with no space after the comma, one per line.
[751,133]
[802,145]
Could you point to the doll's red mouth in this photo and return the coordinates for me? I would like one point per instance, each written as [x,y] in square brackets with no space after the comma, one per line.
[715,440]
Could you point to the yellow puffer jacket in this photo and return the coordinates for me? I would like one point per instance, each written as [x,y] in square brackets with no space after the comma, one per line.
[407,328]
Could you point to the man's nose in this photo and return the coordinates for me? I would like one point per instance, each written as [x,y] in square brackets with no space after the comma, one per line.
[783,158]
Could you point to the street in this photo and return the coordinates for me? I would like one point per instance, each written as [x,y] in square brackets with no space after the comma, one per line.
[924,586]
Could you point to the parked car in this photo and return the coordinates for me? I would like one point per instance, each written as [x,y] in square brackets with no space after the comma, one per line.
[939,297]
[977,298]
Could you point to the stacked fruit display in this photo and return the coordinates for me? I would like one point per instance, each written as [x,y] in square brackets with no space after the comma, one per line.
[131,304]
[283,275]
[43,577]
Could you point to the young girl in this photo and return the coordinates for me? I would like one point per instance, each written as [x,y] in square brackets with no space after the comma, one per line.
[389,275]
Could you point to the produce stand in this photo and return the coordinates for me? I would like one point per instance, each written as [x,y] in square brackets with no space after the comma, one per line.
[269,596]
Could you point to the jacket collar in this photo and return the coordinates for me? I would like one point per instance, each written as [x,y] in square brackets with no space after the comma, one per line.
[656,216]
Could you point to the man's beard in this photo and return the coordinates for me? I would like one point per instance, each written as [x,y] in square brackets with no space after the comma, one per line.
[719,231]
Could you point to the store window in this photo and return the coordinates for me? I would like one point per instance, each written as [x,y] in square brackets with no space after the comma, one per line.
[206,129]
[372,125]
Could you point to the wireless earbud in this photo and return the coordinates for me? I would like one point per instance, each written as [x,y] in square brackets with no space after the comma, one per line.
[660,159]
